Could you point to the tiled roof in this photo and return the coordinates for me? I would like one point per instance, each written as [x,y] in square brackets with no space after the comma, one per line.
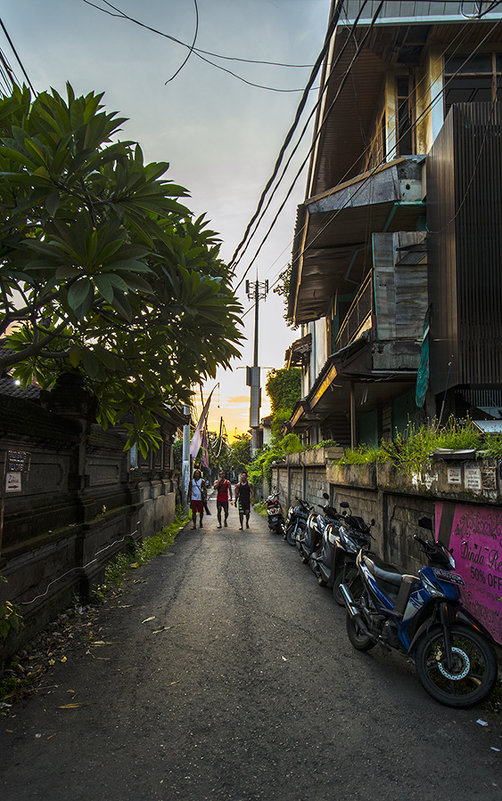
[10,387]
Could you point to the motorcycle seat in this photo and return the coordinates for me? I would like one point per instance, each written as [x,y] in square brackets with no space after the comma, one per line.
[383,571]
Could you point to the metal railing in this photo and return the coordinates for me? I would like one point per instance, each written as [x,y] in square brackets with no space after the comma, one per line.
[359,317]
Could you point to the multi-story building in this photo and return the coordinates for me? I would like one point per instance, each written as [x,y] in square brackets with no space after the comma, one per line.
[397,259]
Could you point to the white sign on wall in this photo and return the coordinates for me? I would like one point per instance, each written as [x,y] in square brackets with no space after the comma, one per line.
[13,482]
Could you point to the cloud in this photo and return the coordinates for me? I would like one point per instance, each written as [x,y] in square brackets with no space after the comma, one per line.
[239,400]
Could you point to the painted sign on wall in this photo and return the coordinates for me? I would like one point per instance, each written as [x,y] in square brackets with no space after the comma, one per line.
[474,534]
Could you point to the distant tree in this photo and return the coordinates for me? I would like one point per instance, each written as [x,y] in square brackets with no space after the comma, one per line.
[102,270]
[240,453]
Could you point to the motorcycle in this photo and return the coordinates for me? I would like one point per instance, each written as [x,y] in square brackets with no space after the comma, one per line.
[310,540]
[335,561]
[422,616]
[296,520]
[275,517]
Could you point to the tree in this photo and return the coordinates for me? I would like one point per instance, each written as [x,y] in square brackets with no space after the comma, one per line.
[240,452]
[102,270]
[283,288]
[284,389]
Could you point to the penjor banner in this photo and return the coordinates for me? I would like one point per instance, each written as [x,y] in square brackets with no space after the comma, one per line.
[197,434]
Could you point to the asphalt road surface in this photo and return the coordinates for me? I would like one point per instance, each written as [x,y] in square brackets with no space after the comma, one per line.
[243,687]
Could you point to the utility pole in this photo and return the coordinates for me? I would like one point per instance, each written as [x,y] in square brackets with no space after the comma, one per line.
[255,290]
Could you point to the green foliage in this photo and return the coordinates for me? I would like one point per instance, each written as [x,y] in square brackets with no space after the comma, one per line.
[292,444]
[283,387]
[282,288]
[240,453]
[120,566]
[410,450]
[10,617]
[103,270]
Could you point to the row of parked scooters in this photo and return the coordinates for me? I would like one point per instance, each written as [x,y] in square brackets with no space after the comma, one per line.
[421,616]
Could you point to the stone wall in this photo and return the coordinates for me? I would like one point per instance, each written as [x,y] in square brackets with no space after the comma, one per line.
[79,503]
[463,497]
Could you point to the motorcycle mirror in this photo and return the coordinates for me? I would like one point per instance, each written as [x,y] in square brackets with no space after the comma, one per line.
[425,522]
[345,505]
[325,495]
[372,521]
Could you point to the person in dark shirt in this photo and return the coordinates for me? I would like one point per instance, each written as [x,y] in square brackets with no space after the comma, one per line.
[244,497]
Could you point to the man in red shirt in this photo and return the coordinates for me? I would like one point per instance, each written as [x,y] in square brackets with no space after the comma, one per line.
[223,492]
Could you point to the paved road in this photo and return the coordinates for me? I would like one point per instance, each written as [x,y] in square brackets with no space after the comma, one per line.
[252,691]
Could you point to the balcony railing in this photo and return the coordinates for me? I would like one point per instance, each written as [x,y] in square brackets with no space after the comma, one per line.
[359,317]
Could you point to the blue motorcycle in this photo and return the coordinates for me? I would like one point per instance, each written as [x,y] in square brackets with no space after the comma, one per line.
[422,616]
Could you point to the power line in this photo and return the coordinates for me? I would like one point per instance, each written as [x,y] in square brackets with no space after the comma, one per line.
[190,51]
[462,35]
[122,15]
[299,111]
[17,56]
[290,158]
[300,170]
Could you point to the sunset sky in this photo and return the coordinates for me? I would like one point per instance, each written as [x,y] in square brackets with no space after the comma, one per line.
[220,135]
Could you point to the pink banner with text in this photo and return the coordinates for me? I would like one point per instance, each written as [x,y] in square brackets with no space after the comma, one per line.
[474,534]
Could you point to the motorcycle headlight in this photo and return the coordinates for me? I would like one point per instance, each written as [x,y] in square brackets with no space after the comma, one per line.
[431,588]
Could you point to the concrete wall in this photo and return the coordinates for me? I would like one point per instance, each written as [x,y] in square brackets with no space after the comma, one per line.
[464,500]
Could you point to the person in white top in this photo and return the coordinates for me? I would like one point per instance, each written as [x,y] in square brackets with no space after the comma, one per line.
[197,491]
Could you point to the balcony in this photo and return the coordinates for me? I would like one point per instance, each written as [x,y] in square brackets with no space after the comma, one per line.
[359,317]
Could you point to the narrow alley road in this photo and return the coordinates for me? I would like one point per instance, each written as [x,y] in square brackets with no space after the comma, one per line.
[249,691]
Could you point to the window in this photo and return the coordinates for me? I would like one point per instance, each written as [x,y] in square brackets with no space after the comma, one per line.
[404,118]
[472,79]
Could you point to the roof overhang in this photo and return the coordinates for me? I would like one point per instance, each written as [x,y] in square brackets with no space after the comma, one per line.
[332,242]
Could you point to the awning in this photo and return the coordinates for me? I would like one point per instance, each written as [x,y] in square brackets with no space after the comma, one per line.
[333,232]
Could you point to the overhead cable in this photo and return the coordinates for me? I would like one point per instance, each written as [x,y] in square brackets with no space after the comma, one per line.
[318,133]
[17,57]
[122,15]
[290,158]
[190,51]
[320,58]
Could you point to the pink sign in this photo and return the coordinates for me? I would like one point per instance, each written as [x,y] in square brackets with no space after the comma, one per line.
[476,544]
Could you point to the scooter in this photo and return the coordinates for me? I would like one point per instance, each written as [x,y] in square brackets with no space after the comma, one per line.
[335,561]
[310,540]
[422,616]
[275,516]
[296,521]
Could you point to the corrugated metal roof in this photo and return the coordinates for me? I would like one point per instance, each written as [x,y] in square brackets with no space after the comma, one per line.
[395,10]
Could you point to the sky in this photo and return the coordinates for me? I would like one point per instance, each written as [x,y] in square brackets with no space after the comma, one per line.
[220,136]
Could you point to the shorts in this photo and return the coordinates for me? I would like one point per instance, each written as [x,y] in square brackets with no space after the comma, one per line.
[222,505]
[244,510]
[197,507]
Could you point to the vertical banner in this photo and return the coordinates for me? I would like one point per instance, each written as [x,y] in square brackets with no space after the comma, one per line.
[197,436]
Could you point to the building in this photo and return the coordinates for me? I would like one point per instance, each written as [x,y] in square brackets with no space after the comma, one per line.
[396,268]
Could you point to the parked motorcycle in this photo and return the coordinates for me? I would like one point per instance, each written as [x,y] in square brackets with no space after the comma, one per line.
[423,617]
[310,541]
[275,516]
[335,561]
[296,521]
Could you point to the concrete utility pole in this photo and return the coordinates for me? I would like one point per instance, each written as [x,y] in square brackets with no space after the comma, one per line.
[256,290]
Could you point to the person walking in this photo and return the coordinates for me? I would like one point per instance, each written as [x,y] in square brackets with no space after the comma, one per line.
[244,497]
[223,489]
[197,494]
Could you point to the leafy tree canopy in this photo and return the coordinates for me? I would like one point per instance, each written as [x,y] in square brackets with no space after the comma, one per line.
[103,270]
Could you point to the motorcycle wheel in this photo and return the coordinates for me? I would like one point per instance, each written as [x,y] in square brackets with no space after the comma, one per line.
[289,537]
[474,671]
[360,641]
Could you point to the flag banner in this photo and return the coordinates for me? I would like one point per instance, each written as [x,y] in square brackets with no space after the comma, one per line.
[205,452]
[197,434]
